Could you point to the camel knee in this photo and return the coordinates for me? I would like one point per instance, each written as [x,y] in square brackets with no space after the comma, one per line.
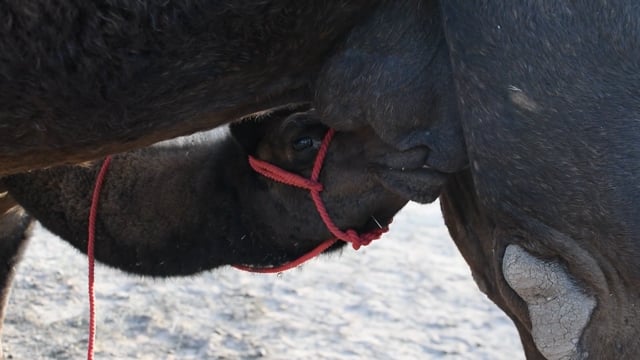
[558,308]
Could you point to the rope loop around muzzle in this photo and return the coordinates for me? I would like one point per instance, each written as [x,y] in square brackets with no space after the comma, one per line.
[311,184]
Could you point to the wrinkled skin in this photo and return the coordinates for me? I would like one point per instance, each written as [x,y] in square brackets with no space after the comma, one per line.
[549,100]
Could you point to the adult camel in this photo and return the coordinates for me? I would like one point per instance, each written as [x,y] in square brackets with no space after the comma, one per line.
[538,97]
[545,98]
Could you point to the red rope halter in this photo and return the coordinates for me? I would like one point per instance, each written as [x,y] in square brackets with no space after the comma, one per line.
[277,174]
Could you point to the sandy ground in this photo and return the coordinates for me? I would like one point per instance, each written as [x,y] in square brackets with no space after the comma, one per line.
[407,296]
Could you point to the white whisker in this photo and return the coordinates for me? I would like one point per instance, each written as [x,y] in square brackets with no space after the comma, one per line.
[376,221]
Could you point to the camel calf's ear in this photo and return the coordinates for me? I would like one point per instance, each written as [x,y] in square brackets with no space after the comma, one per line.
[248,132]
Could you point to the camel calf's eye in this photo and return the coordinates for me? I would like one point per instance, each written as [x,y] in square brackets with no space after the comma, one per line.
[302,143]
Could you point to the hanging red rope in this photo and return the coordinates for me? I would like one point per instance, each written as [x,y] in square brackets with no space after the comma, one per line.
[93,212]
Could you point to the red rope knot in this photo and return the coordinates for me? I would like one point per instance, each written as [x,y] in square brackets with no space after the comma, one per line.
[358,240]
[355,239]
[277,174]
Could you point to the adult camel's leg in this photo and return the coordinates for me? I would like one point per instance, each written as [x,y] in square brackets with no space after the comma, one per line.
[475,237]
[15,229]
